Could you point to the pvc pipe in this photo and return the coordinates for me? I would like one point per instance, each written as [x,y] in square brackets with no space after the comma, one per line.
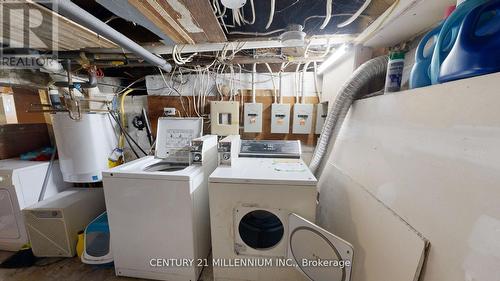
[304,71]
[80,16]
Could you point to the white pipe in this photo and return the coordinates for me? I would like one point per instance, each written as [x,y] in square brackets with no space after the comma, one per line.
[329,10]
[274,84]
[254,71]
[245,45]
[297,80]
[304,71]
[80,16]
[281,81]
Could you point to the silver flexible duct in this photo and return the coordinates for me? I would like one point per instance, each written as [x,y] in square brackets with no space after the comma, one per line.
[372,69]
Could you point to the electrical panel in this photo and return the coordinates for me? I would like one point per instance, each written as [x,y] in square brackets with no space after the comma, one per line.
[280,118]
[253,118]
[225,118]
[302,118]
[321,113]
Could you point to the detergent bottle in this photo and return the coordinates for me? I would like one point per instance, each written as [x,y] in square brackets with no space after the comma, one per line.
[419,76]
[477,48]
[449,31]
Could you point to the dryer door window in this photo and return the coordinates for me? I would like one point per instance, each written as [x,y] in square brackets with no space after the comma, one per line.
[261,229]
[319,255]
[8,224]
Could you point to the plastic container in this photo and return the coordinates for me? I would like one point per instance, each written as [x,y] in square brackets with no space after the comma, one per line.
[97,242]
[477,48]
[449,32]
[394,72]
[419,76]
[420,73]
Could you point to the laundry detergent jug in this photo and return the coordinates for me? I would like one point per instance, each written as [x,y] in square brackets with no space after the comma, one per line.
[477,48]
[449,31]
[419,76]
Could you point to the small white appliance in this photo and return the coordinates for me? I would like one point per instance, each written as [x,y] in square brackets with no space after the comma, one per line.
[264,209]
[84,145]
[158,207]
[20,186]
[53,224]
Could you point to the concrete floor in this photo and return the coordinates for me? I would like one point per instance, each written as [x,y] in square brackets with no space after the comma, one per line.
[69,269]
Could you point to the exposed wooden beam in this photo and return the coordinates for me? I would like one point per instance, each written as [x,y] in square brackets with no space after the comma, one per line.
[185,21]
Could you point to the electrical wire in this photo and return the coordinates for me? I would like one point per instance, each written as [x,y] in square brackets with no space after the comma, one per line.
[329,10]
[257,33]
[271,14]
[274,84]
[356,15]
[126,133]
[121,143]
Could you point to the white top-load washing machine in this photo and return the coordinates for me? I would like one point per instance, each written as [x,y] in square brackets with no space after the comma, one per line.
[158,206]
[262,210]
[20,186]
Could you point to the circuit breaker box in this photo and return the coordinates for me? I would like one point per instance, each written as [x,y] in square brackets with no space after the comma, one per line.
[253,118]
[302,118]
[280,118]
[225,118]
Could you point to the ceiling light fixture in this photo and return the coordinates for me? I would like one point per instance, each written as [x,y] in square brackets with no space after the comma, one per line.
[339,53]
[294,36]
[234,4]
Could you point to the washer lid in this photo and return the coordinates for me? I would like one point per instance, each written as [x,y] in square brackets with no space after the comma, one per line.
[174,136]
[318,254]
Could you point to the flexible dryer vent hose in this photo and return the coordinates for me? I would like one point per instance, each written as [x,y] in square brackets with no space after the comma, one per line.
[366,73]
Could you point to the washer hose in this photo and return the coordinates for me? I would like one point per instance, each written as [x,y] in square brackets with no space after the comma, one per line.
[366,73]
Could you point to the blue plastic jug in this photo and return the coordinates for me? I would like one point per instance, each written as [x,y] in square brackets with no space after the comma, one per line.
[449,32]
[477,49]
[419,76]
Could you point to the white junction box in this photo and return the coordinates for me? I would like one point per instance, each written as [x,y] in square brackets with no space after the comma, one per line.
[321,113]
[225,117]
[280,118]
[253,118]
[302,118]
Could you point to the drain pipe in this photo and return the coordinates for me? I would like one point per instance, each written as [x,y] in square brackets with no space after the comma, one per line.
[366,73]
[80,16]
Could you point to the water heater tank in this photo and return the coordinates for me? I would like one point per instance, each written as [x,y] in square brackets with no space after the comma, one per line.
[84,145]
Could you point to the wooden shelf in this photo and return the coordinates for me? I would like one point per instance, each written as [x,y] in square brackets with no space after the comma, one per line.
[403,22]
